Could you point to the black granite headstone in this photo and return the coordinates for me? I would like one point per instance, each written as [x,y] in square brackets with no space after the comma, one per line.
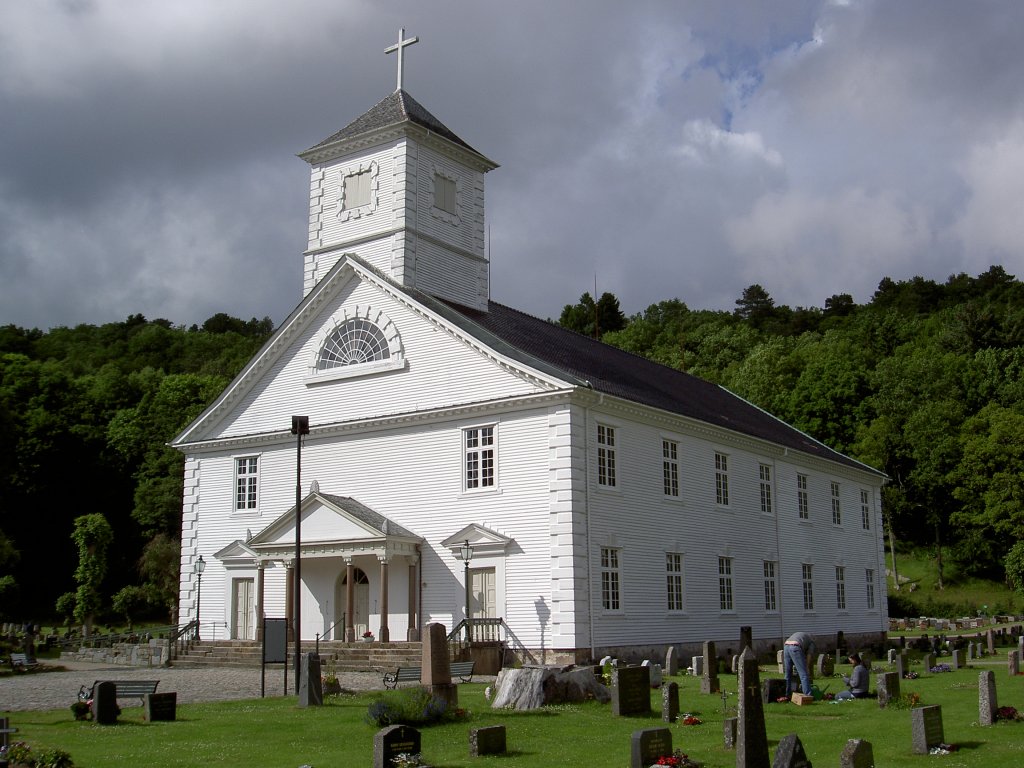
[311,686]
[161,706]
[648,744]
[857,754]
[392,741]
[751,734]
[631,691]
[489,740]
[104,703]
[670,702]
[790,753]
[772,689]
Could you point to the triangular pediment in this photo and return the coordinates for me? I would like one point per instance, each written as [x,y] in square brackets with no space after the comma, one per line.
[333,526]
[236,553]
[481,540]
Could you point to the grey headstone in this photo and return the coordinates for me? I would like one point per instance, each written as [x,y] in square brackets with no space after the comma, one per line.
[751,734]
[436,663]
[735,664]
[697,664]
[729,725]
[605,660]
[780,658]
[987,697]
[647,745]
[392,741]
[671,661]
[826,666]
[857,754]
[926,728]
[891,657]
[746,638]
[104,703]
[488,740]
[887,685]
[772,689]
[955,659]
[990,641]
[709,680]
[631,691]
[670,702]
[656,679]
[311,690]
[790,753]
[1013,663]
[161,706]
[901,664]
[970,651]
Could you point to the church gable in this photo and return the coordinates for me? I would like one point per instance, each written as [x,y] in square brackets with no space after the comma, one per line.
[321,522]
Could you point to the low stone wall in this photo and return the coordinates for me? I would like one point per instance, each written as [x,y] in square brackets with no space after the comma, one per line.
[155,653]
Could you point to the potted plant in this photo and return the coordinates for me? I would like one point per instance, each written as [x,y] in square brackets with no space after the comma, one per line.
[367,636]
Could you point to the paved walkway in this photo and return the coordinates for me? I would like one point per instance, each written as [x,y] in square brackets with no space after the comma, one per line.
[57,690]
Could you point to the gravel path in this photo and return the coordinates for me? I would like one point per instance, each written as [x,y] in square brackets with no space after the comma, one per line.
[57,690]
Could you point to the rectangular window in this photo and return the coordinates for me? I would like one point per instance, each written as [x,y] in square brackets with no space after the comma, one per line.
[605,456]
[869,579]
[725,583]
[670,467]
[766,489]
[801,497]
[357,190]
[837,512]
[444,193]
[479,450]
[722,479]
[840,588]
[609,579]
[865,510]
[770,587]
[808,579]
[674,580]
[246,480]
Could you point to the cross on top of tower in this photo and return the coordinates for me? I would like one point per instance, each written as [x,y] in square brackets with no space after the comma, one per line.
[403,41]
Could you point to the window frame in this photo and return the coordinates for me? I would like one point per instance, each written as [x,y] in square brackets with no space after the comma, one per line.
[803,507]
[807,582]
[439,212]
[251,478]
[869,579]
[865,510]
[670,468]
[771,586]
[611,579]
[674,582]
[721,479]
[840,588]
[726,598]
[606,456]
[370,168]
[764,472]
[479,452]
[837,507]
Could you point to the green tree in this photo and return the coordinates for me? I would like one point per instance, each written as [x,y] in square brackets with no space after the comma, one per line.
[755,305]
[593,319]
[92,535]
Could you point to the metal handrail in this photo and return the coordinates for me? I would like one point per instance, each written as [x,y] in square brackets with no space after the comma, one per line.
[318,635]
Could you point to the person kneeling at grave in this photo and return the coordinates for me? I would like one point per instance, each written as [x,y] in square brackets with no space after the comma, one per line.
[856,681]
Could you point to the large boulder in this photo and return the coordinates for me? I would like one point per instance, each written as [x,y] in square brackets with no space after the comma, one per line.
[534,687]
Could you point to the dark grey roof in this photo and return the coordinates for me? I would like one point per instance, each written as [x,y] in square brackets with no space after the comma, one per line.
[397,108]
[614,372]
[375,520]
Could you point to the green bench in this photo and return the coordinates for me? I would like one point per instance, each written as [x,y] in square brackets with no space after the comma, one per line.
[460,669]
[123,689]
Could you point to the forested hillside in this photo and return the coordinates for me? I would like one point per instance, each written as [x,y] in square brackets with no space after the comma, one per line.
[925,381]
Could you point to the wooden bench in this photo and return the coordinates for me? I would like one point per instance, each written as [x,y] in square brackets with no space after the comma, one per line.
[123,689]
[460,669]
[23,661]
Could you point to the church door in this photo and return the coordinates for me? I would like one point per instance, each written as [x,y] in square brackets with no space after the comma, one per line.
[481,586]
[361,615]
[242,610]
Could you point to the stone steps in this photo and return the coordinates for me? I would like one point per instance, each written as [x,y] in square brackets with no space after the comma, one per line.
[350,657]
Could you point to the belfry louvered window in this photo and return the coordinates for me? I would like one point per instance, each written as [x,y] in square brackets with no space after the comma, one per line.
[357,341]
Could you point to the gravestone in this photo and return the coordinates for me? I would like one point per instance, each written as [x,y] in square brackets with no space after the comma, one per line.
[826,666]
[392,741]
[104,703]
[857,754]
[790,753]
[605,660]
[631,691]
[928,661]
[655,671]
[970,651]
[751,734]
[729,732]
[780,659]
[734,664]
[436,665]
[979,652]
[161,706]
[926,728]
[671,661]
[901,664]
[489,740]
[987,697]
[647,745]
[746,638]
[990,641]
[891,657]
[670,702]
[311,690]
[1020,646]
[955,660]
[709,680]
[697,665]
[887,685]
[772,689]
[1013,663]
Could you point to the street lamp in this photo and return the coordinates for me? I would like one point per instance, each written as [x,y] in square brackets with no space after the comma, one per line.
[300,427]
[200,567]
[467,555]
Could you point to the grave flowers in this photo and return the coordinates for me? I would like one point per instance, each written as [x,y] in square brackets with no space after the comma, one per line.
[690,719]
[406,760]
[676,760]
[1008,713]
[367,636]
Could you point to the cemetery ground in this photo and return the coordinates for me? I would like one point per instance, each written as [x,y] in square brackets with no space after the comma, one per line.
[274,732]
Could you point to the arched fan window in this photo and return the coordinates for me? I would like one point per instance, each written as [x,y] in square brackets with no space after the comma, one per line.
[357,341]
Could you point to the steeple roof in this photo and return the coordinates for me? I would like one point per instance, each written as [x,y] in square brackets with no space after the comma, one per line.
[400,107]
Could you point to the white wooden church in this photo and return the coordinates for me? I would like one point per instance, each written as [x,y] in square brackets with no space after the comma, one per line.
[607,504]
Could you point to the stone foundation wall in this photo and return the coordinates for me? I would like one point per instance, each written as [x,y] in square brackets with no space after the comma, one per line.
[155,653]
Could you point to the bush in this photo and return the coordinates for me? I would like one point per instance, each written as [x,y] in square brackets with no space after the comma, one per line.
[411,706]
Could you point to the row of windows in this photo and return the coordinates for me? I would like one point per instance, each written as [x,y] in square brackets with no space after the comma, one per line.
[357,190]
[611,580]
[606,477]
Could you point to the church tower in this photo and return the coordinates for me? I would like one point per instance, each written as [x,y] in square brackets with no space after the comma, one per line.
[402,191]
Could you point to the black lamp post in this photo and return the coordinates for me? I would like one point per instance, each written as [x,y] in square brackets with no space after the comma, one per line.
[467,555]
[200,567]
[300,427]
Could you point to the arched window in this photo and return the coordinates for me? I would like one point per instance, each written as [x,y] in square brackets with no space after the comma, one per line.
[352,343]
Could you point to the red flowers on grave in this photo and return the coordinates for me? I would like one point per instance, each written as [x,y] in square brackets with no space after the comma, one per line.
[1008,713]
[676,760]
[688,719]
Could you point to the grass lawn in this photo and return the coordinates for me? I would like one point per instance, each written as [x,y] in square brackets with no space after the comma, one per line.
[274,732]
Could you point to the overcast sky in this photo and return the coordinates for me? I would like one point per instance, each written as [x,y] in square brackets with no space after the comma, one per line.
[671,149]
